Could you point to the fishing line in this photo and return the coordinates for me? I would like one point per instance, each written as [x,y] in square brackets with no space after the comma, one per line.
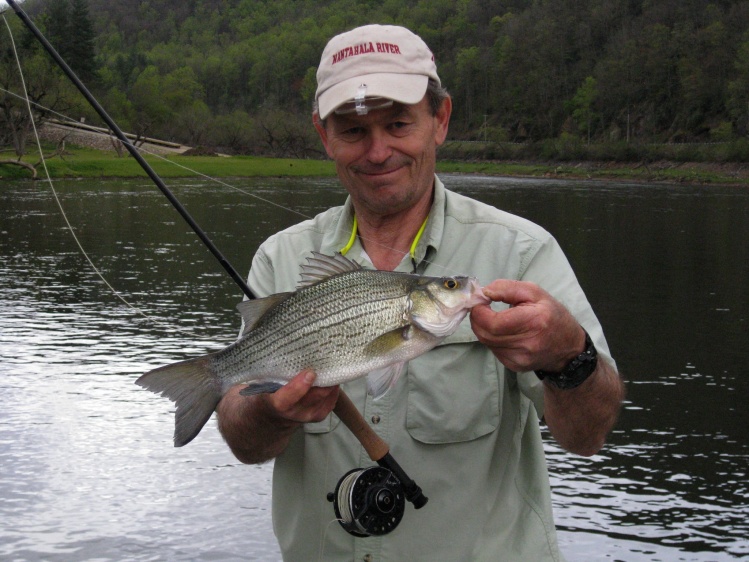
[69,226]
[378,490]
[207,177]
[134,151]
[163,158]
[321,555]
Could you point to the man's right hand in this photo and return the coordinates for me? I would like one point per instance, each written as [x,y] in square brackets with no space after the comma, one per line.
[299,401]
[258,428]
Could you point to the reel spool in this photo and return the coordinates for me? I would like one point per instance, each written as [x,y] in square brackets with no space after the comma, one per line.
[369,501]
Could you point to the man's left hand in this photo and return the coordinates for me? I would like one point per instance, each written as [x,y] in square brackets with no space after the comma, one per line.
[536,333]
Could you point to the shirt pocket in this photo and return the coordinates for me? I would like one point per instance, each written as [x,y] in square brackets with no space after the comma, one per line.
[325,426]
[454,393]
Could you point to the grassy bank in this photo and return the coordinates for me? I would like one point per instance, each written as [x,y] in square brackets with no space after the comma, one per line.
[88,163]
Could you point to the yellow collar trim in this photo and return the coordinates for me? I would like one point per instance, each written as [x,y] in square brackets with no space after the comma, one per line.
[414,244]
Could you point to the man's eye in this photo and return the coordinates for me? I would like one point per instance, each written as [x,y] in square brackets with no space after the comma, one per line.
[353,131]
[400,127]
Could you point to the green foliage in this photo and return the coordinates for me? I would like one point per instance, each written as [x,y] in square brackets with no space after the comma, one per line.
[47,90]
[722,132]
[582,105]
[518,70]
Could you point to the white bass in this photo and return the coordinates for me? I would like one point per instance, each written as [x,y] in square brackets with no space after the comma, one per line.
[343,322]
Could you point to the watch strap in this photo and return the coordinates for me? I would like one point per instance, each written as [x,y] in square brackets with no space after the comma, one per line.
[577,371]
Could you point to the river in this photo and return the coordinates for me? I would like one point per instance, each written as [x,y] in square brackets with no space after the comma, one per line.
[87,468]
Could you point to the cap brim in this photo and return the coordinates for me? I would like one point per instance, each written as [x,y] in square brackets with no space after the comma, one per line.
[402,88]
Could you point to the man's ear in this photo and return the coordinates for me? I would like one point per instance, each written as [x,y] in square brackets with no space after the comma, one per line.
[443,120]
[320,128]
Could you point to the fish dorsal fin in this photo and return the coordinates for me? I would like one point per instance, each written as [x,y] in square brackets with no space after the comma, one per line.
[253,310]
[321,266]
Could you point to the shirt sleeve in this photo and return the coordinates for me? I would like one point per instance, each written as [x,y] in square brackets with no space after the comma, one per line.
[550,269]
[262,279]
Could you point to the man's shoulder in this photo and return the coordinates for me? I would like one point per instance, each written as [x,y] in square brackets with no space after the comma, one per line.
[471,212]
[303,236]
[275,267]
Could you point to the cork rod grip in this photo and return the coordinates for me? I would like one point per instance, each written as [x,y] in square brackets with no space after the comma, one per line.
[376,448]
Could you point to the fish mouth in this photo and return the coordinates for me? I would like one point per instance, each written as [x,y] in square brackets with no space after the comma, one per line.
[477,294]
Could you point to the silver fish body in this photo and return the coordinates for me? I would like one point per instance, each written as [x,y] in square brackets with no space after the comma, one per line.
[344,323]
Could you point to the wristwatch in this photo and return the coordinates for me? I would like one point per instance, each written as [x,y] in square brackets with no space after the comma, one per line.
[576,371]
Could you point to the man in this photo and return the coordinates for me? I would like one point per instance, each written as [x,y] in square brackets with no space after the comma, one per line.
[464,418]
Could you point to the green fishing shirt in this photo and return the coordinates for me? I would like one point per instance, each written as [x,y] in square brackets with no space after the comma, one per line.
[461,425]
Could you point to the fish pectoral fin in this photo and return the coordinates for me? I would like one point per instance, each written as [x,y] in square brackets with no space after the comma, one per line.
[260,388]
[390,341]
[253,310]
[382,380]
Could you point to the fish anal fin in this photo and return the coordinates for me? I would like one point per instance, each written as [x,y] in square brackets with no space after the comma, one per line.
[253,310]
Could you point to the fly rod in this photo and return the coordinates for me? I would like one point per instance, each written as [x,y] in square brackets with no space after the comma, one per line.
[132,150]
[376,448]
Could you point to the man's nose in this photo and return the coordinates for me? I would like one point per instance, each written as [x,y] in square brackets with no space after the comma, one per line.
[379,149]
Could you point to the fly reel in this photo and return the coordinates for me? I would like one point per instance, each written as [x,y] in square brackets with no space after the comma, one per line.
[369,501]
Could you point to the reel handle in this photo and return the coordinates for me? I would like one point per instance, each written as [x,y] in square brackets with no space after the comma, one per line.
[377,449]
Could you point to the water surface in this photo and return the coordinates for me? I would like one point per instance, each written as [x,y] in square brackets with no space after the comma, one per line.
[87,469]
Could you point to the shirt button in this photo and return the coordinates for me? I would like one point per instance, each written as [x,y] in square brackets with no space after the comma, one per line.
[375,420]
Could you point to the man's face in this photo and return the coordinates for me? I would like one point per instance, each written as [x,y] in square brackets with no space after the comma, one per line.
[386,159]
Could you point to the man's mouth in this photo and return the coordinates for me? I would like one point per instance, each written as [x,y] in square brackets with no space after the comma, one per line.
[380,171]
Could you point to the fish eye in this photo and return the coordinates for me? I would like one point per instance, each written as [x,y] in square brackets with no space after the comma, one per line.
[450,283]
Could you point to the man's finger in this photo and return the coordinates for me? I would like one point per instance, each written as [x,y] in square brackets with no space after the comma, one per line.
[293,391]
[512,292]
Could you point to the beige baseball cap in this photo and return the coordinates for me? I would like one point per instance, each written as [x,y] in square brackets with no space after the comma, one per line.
[369,65]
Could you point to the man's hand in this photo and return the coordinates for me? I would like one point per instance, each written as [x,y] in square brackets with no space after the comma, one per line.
[536,333]
[300,402]
[258,428]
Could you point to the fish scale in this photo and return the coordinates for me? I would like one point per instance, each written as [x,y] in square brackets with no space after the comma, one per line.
[343,326]
[344,323]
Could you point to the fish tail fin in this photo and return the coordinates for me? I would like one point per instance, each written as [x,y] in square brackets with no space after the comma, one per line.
[195,389]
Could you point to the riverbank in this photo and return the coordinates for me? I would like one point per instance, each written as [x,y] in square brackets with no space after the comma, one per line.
[663,171]
[78,162]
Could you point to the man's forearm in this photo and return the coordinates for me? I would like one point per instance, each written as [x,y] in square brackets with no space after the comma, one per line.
[581,418]
[251,429]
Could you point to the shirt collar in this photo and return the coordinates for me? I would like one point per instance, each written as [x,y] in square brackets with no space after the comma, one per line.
[428,245]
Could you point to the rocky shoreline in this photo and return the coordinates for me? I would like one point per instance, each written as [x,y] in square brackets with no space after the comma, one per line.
[89,138]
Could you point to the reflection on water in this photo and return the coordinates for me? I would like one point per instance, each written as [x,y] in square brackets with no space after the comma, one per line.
[86,463]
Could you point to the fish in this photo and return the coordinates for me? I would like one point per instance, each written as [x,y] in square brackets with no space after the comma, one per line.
[342,321]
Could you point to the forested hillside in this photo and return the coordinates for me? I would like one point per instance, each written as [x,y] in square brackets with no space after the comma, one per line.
[240,74]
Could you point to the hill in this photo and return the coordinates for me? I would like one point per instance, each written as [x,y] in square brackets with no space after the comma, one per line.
[240,74]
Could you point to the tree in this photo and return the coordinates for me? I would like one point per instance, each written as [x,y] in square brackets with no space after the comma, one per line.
[71,32]
[582,104]
[82,52]
[46,88]
[738,89]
